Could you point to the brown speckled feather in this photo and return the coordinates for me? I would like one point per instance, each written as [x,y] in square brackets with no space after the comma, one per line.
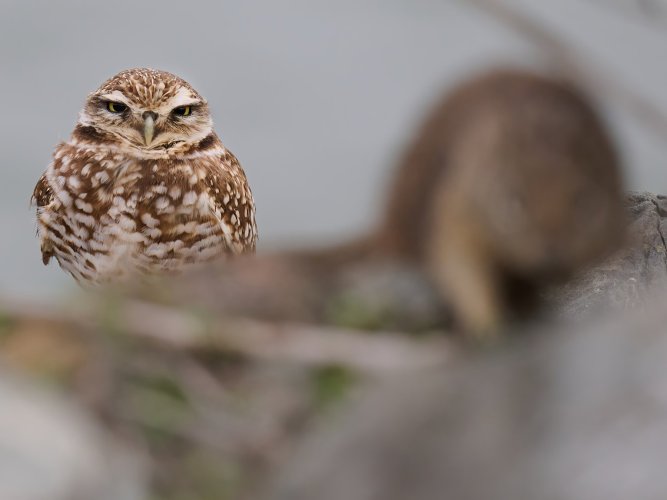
[118,201]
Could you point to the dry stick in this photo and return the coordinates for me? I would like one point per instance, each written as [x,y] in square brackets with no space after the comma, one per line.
[290,342]
[372,352]
[648,10]
[578,69]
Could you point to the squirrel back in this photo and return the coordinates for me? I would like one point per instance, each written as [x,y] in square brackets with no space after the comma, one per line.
[537,120]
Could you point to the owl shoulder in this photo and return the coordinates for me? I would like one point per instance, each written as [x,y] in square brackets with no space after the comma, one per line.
[232,199]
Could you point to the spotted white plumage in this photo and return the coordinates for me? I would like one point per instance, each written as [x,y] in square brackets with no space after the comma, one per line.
[146,189]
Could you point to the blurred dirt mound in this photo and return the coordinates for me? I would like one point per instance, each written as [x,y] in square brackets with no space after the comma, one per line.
[565,415]
[52,450]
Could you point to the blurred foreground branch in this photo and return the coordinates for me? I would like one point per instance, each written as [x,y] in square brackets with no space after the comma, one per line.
[262,340]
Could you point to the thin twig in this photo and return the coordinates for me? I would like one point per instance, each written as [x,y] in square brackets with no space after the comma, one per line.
[651,11]
[566,59]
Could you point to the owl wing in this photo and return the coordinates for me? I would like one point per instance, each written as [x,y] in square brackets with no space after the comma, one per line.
[43,197]
[232,204]
[42,194]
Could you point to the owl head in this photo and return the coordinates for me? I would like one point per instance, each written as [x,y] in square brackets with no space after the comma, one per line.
[148,111]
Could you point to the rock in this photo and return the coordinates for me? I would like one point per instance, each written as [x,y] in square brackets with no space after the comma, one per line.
[49,450]
[625,280]
[563,415]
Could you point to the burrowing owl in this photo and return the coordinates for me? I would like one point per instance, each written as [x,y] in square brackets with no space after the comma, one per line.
[144,185]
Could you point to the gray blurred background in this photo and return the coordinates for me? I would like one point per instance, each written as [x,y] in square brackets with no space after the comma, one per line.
[316,98]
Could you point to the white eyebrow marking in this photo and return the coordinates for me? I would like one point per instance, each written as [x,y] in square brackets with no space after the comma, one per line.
[182,98]
[116,95]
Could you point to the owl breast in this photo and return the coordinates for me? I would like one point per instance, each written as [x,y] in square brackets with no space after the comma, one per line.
[111,217]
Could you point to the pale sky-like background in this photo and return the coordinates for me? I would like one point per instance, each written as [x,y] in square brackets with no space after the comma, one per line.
[316,98]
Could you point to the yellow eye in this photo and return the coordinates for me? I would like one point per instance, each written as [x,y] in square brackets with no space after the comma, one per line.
[182,110]
[116,107]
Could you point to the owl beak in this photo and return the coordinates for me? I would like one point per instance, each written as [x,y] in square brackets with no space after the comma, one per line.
[149,128]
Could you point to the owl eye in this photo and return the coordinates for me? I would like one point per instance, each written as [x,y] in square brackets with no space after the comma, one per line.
[116,107]
[182,111]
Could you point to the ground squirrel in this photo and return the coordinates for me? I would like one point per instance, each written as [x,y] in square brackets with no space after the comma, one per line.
[512,179]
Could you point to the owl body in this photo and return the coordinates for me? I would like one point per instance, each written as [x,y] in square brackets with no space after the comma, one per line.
[138,194]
